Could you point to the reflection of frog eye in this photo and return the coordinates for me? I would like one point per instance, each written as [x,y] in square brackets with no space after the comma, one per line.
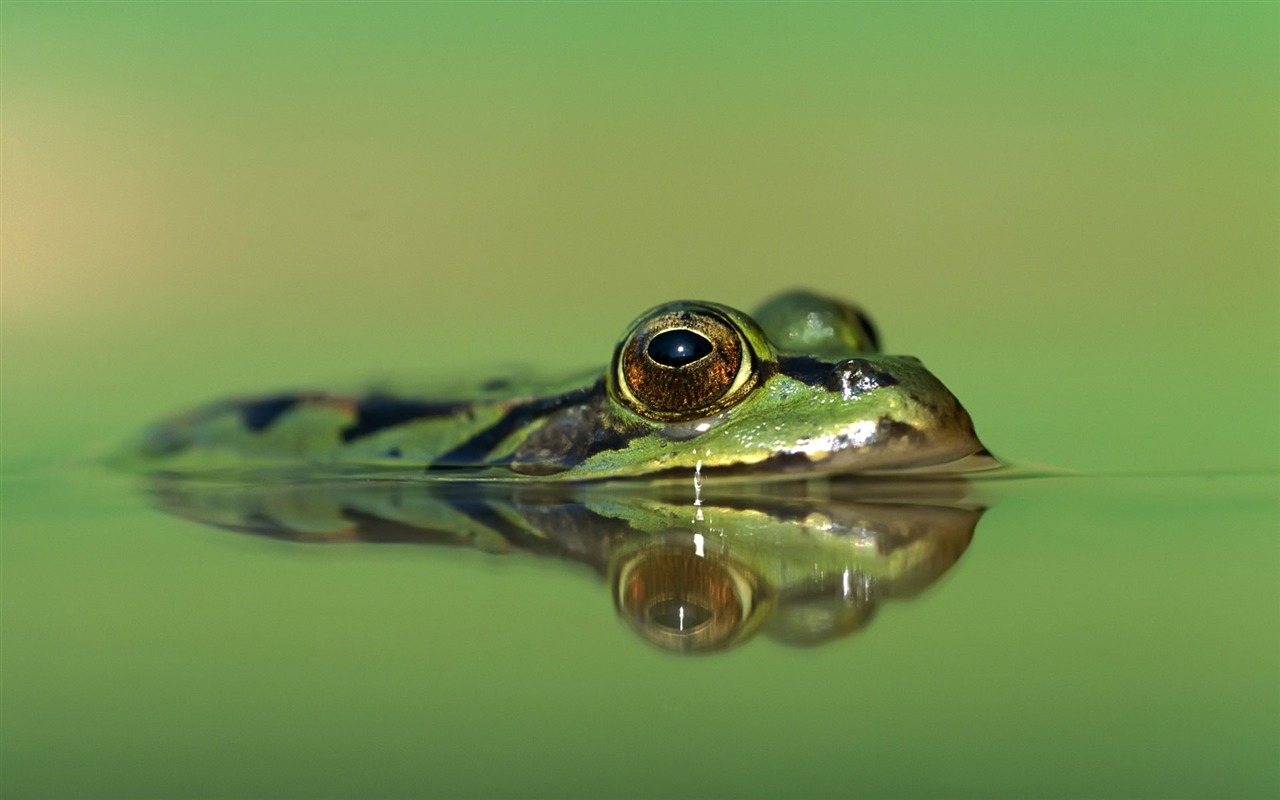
[683,361]
[684,602]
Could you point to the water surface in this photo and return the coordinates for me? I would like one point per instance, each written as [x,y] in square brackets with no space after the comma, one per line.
[1098,636]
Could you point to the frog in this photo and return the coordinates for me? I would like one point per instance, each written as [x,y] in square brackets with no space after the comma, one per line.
[798,387]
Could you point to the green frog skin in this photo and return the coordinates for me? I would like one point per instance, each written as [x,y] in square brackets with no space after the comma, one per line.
[692,387]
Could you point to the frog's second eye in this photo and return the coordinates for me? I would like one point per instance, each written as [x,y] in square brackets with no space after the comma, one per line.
[683,362]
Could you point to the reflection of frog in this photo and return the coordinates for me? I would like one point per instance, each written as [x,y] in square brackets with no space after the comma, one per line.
[692,385]
[803,563]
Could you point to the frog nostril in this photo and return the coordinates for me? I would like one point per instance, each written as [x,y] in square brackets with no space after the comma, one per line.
[857,376]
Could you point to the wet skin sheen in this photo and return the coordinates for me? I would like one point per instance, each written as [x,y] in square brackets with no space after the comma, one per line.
[800,386]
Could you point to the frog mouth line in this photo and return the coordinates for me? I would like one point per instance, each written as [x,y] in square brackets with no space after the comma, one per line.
[920,454]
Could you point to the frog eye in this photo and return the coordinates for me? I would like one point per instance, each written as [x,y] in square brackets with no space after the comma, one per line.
[684,361]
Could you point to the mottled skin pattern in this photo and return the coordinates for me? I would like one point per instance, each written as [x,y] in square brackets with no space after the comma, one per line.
[810,394]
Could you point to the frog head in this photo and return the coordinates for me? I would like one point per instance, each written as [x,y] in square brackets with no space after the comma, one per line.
[799,387]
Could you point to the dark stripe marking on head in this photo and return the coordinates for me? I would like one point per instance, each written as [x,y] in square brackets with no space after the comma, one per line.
[378,412]
[475,451]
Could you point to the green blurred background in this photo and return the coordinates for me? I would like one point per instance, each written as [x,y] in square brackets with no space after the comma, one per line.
[1069,211]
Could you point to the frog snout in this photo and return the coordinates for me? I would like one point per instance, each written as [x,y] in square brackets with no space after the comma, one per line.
[856,376]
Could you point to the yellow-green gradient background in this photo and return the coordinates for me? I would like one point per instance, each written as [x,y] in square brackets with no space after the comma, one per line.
[1069,211]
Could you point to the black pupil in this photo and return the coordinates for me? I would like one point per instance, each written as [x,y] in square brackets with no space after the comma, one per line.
[678,347]
[678,615]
